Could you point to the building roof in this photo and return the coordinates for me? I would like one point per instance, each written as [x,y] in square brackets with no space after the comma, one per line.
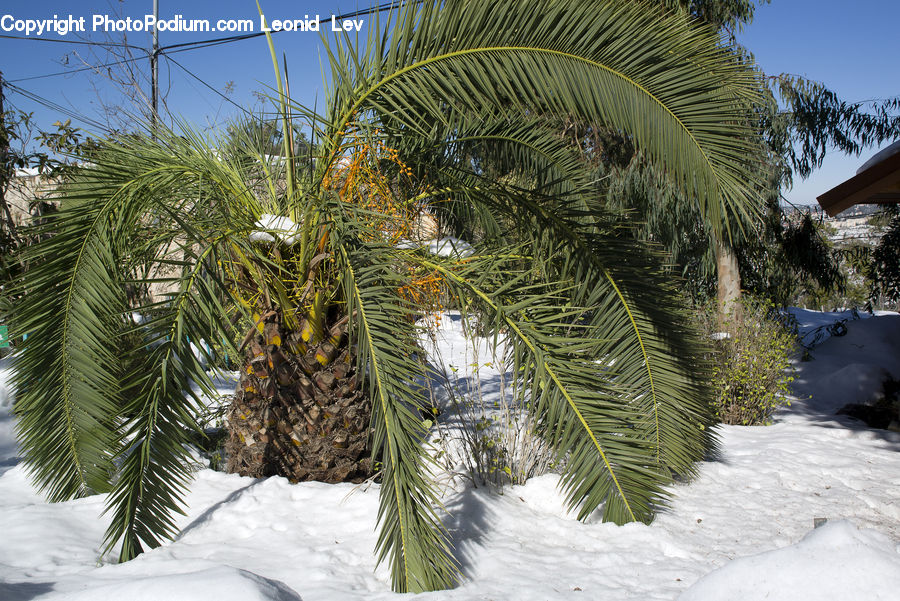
[876,182]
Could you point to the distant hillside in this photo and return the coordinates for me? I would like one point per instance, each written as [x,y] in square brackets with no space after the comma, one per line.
[859,211]
[850,226]
[854,211]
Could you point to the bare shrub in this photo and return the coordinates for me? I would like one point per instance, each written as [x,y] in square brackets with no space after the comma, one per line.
[486,427]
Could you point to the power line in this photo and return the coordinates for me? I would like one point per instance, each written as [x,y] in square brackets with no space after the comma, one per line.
[875,100]
[55,106]
[197,77]
[173,48]
[79,42]
[162,51]
[184,46]
[80,69]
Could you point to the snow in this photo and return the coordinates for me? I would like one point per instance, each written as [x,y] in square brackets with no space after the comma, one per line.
[207,581]
[28,172]
[448,246]
[852,368]
[275,226]
[817,567]
[7,435]
[881,156]
[743,529]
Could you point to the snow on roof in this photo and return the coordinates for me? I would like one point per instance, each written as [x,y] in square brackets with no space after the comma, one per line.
[880,156]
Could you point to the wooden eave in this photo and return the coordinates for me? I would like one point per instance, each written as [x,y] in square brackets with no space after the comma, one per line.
[879,184]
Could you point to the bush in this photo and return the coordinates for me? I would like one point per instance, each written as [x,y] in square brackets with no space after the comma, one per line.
[486,428]
[751,362]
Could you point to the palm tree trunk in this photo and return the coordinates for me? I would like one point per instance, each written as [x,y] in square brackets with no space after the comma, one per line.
[299,410]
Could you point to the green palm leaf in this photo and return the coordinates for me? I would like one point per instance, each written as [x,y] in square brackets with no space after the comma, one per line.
[156,462]
[67,373]
[682,96]
[665,408]
[584,388]
[114,390]
[411,531]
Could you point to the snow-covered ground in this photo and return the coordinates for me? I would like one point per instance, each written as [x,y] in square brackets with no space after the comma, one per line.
[744,529]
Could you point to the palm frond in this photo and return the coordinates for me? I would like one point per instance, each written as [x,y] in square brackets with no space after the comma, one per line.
[411,534]
[674,86]
[630,308]
[67,373]
[631,303]
[119,392]
[155,467]
[575,391]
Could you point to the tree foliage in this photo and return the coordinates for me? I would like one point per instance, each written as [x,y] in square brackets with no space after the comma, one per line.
[810,120]
[800,120]
[18,136]
[885,265]
[730,15]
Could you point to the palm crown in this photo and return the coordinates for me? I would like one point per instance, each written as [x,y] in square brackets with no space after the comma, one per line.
[450,106]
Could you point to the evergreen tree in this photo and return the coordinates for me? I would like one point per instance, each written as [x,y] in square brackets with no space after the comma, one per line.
[800,121]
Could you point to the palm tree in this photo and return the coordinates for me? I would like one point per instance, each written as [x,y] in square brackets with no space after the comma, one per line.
[449,105]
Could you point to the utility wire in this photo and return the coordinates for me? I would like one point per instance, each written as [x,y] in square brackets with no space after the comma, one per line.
[80,69]
[211,42]
[163,51]
[197,77]
[185,46]
[80,42]
[55,106]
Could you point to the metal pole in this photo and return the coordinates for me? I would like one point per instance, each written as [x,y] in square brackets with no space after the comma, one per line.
[154,69]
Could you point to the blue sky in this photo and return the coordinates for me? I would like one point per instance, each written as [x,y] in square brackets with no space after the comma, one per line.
[852,47]
[852,50]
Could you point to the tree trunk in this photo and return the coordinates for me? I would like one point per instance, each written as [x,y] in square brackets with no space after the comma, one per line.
[299,410]
[729,285]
